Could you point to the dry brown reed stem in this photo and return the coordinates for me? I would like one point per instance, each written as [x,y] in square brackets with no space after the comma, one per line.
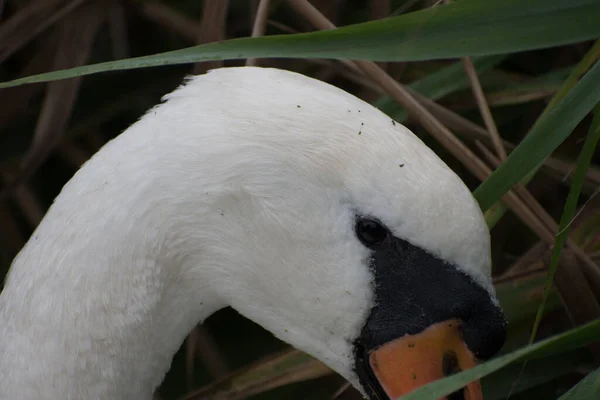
[405,7]
[549,229]
[77,34]
[169,18]
[379,9]
[532,261]
[11,236]
[505,97]
[200,343]
[29,204]
[267,374]
[484,108]
[260,24]
[212,29]
[117,23]
[14,101]
[74,155]
[471,130]
[32,20]
[27,201]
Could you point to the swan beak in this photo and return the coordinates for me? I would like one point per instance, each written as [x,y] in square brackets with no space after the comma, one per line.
[404,364]
[430,320]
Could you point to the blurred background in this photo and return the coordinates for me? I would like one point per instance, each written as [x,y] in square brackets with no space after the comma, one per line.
[48,130]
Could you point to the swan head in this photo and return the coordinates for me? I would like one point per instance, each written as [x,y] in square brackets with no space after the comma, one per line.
[304,208]
[354,242]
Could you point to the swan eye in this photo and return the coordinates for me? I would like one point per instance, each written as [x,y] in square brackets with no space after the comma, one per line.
[371,232]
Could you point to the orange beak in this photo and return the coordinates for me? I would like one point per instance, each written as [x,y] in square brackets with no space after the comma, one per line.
[406,363]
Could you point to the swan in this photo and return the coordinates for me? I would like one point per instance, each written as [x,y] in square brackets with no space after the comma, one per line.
[302,207]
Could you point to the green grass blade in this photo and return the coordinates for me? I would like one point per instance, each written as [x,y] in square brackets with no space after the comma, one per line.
[501,384]
[569,211]
[572,339]
[587,389]
[547,134]
[493,215]
[463,28]
[584,65]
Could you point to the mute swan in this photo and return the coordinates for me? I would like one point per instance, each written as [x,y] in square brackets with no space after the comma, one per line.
[299,205]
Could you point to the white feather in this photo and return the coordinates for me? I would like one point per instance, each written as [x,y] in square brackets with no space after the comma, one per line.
[241,190]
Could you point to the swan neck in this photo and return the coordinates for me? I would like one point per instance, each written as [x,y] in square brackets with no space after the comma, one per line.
[101,297]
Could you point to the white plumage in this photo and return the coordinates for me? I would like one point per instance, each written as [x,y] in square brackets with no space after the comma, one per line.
[240,189]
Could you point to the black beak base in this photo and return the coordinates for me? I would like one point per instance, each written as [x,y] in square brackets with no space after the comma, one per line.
[366,376]
[415,290]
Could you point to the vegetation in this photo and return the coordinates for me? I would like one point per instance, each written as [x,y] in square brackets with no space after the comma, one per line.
[508,86]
